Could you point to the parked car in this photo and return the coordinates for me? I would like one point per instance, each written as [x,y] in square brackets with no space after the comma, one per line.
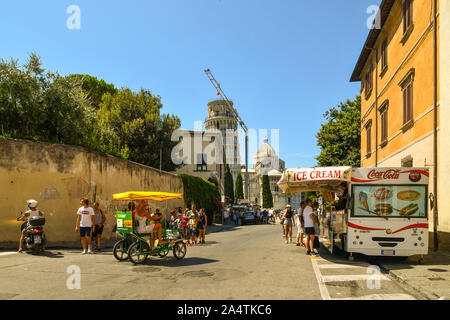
[248,218]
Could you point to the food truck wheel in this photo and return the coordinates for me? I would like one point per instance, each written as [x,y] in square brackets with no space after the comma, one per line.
[120,251]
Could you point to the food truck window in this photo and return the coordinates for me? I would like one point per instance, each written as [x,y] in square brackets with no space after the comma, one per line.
[402,201]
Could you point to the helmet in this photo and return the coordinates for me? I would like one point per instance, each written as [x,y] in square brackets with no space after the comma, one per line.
[32,203]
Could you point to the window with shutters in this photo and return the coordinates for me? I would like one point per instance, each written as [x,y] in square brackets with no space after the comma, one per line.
[384,123]
[201,162]
[369,138]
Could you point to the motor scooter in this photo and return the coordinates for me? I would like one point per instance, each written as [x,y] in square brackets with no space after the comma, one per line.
[34,239]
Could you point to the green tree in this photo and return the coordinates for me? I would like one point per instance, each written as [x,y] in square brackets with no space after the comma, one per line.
[340,137]
[239,188]
[40,105]
[266,192]
[94,87]
[228,185]
[134,122]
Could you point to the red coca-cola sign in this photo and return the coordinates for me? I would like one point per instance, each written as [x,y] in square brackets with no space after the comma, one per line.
[391,174]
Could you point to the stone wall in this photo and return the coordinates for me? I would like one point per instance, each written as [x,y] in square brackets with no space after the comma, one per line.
[59,175]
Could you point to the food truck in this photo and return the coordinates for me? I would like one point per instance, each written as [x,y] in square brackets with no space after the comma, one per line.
[380,211]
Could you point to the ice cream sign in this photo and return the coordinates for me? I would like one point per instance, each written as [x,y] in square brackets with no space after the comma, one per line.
[314,179]
[314,174]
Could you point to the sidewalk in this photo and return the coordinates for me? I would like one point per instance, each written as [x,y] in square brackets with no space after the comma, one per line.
[431,280]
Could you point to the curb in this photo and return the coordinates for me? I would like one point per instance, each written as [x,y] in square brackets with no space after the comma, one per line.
[407,286]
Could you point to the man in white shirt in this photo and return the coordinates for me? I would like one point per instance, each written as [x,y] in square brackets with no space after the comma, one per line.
[85,223]
[308,223]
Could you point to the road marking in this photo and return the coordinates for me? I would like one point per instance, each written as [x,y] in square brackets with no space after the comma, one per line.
[352,277]
[322,286]
[323,280]
[6,253]
[342,266]
[384,296]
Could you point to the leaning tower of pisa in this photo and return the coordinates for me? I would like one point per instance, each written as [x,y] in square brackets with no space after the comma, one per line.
[221,119]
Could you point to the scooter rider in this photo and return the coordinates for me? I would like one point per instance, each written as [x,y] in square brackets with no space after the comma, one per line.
[32,212]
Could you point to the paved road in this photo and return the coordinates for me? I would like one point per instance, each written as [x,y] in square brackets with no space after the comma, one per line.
[249,262]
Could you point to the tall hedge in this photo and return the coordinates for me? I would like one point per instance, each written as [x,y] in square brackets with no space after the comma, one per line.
[228,186]
[266,192]
[239,188]
[202,193]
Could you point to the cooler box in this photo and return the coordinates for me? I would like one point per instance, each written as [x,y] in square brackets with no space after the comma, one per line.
[124,222]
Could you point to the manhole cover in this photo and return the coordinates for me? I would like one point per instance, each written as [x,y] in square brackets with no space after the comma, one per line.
[145,269]
[198,274]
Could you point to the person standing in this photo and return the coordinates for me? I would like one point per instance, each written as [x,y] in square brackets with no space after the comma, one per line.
[301,229]
[316,227]
[100,219]
[192,224]
[288,223]
[309,220]
[85,223]
[201,225]
[185,220]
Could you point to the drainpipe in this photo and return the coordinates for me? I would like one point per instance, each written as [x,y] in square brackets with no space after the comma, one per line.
[376,103]
[435,142]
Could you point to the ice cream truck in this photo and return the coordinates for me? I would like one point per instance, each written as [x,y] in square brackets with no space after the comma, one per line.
[379,211]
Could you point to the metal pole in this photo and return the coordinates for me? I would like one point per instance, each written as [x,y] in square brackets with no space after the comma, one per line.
[247,183]
[435,142]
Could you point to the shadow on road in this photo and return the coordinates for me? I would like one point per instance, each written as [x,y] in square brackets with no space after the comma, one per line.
[173,262]
[47,254]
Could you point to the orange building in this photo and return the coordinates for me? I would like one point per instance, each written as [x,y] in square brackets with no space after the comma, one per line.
[399,70]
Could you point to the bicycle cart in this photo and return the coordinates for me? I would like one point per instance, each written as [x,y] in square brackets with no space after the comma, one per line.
[137,247]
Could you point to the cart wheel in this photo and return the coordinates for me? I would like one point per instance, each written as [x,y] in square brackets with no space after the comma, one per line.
[120,250]
[164,253]
[134,252]
[179,250]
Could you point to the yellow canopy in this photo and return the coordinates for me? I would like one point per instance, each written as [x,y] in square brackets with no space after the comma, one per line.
[144,195]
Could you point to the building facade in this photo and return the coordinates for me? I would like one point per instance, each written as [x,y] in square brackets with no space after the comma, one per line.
[267,162]
[400,94]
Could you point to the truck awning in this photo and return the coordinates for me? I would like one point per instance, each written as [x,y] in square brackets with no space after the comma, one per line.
[327,179]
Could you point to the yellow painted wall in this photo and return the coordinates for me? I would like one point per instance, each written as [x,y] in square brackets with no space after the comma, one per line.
[417,142]
[417,53]
[59,175]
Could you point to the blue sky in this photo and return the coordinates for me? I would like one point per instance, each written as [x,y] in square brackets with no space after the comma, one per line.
[283,62]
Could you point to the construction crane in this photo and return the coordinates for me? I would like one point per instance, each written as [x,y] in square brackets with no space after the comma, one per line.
[241,123]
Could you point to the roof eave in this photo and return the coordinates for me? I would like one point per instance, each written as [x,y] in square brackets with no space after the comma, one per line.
[385,10]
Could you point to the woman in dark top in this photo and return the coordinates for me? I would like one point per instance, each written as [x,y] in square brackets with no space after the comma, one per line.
[201,225]
[288,222]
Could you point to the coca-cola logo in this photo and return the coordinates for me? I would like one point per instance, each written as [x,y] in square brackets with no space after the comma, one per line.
[415,176]
[385,175]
